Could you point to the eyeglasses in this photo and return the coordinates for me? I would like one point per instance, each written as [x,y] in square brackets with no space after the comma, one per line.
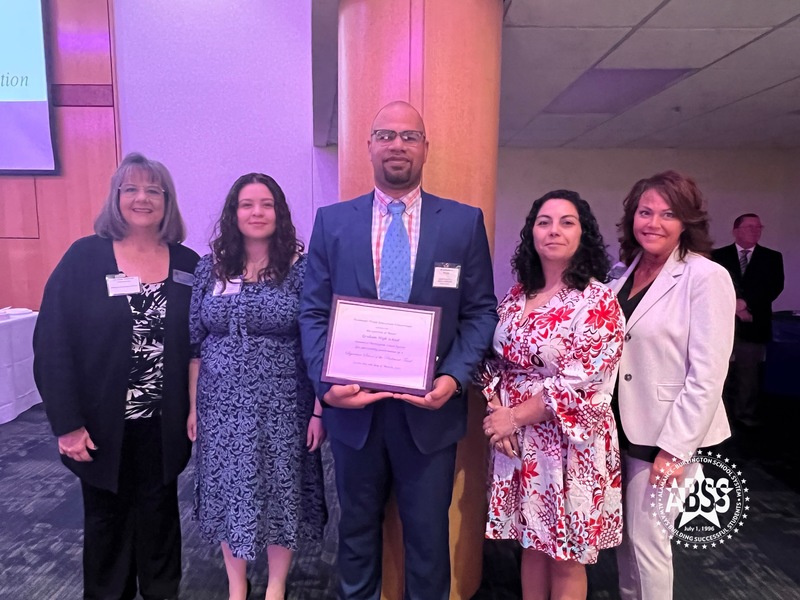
[751,227]
[385,136]
[151,191]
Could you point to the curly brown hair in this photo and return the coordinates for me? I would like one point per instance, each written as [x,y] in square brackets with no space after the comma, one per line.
[228,243]
[684,199]
[589,262]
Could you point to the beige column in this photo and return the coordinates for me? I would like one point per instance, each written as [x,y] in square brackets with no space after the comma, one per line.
[442,56]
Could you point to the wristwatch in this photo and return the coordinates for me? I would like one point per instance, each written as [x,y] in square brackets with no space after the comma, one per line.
[458,384]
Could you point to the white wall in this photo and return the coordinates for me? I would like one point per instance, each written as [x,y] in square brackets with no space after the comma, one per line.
[734,182]
[326,176]
[215,90]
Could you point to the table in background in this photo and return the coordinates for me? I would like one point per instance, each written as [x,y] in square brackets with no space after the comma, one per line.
[783,355]
[17,389]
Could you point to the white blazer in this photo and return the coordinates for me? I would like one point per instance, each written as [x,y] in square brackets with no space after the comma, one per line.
[675,357]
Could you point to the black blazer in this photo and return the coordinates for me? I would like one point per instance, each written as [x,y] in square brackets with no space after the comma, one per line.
[761,284]
[82,358]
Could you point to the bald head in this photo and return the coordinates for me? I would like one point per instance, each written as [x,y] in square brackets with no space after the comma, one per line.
[399,109]
[397,155]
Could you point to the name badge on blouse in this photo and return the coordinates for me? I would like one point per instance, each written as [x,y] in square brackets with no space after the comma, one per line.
[446,275]
[233,286]
[122,285]
[182,277]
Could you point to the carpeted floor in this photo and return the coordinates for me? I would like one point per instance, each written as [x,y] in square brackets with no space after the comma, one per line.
[40,532]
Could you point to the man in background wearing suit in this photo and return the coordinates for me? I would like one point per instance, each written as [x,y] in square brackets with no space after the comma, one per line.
[757,274]
[399,243]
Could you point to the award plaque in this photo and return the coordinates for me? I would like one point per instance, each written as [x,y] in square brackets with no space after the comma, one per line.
[382,345]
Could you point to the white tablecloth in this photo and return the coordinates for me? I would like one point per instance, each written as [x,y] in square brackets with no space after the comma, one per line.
[17,390]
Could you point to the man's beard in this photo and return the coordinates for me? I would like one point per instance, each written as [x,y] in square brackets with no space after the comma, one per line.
[397,177]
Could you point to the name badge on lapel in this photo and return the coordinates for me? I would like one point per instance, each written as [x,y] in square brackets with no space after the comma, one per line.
[446,275]
[182,277]
[122,285]
[233,286]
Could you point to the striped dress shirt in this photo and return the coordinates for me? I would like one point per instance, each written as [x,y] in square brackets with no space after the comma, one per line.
[380,224]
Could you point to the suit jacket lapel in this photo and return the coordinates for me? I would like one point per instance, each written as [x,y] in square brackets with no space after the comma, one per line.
[361,246]
[664,281]
[428,234]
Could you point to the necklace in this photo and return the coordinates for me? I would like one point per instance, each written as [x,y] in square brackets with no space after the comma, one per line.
[545,295]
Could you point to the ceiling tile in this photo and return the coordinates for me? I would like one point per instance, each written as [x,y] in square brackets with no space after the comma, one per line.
[523,97]
[617,137]
[778,50]
[612,90]
[558,48]
[744,120]
[677,48]
[701,93]
[579,13]
[761,134]
[724,13]
[553,130]
[776,101]
[539,64]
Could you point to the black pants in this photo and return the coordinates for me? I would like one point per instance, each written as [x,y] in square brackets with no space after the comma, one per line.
[134,534]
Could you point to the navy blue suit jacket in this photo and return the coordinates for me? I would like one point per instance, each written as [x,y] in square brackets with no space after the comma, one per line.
[340,262]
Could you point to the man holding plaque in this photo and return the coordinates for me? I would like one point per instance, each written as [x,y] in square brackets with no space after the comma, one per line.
[404,250]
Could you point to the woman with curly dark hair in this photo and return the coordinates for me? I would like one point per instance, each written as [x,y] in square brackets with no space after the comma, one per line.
[679,307]
[253,413]
[555,458]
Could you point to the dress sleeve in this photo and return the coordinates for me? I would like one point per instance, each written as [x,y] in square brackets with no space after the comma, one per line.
[488,374]
[198,331]
[580,394]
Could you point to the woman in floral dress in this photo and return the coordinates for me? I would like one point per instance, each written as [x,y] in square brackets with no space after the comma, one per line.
[555,467]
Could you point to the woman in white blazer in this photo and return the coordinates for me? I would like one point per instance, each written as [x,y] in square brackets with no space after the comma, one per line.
[680,308]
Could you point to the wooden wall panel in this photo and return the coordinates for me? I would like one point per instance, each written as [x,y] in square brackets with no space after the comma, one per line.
[54,211]
[444,58]
[461,90]
[365,84]
[18,208]
[81,42]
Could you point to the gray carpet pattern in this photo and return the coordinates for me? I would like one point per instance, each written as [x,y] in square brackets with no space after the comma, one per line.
[41,521]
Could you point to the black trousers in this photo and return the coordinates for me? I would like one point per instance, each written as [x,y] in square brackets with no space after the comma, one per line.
[134,535]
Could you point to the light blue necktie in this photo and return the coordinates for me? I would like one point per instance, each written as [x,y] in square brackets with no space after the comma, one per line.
[396,258]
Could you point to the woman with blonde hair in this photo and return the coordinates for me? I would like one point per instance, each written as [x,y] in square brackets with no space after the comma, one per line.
[111,355]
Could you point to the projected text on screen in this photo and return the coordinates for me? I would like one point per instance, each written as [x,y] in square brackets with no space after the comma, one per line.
[26,141]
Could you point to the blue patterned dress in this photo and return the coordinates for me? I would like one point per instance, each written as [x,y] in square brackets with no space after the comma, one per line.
[256,483]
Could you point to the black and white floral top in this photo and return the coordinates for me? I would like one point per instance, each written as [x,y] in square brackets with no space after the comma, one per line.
[146,380]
